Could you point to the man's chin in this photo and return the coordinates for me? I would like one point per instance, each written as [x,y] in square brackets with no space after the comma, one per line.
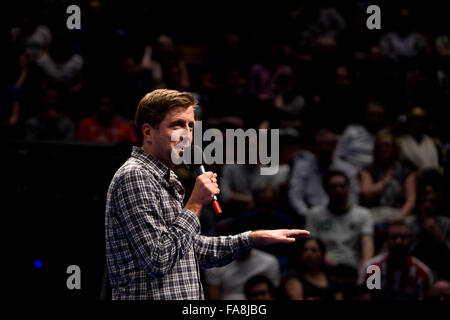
[176,157]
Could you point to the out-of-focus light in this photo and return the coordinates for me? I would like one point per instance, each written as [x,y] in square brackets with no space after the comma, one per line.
[38,264]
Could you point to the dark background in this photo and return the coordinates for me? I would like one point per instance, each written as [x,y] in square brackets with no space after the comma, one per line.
[53,193]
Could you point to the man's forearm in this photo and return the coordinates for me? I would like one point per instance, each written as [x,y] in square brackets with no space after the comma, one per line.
[218,251]
[195,208]
[368,249]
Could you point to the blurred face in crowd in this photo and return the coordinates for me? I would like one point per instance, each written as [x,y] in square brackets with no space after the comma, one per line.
[95,6]
[52,104]
[337,189]
[173,76]
[265,201]
[404,22]
[399,240]
[312,256]
[343,76]
[375,114]
[159,139]
[52,99]
[439,291]
[285,82]
[236,81]
[105,110]
[129,66]
[385,149]
[325,145]
[232,40]
[428,204]
[417,125]
[165,49]
[261,291]
[62,47]
[29,24]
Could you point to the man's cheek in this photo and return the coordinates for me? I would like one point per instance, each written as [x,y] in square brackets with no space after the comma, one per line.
[181,138]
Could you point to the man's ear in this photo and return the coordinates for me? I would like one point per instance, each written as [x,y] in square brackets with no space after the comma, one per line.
[147,133]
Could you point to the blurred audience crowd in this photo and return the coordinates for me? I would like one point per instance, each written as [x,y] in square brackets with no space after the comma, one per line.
[364,162]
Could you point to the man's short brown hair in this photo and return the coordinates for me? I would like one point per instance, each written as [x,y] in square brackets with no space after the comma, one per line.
[154,106]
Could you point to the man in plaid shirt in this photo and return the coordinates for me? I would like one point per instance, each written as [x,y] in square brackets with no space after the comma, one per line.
[153,244]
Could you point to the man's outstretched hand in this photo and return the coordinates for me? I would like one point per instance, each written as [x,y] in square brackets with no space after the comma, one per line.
[266,237]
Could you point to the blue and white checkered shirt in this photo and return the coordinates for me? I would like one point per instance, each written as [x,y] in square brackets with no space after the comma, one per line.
[154,249]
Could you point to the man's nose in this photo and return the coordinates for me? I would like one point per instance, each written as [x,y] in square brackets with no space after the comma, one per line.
[186,137]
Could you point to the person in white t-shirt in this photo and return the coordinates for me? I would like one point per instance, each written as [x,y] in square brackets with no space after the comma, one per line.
[346,230]
[416,147]
[356,144]
[227,282]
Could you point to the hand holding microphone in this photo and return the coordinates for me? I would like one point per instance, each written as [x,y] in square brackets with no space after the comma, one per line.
[205,188]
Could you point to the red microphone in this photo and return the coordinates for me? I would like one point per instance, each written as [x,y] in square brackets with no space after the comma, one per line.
[199,169]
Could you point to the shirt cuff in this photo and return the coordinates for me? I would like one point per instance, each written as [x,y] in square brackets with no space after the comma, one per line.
[248,242]
[189,221]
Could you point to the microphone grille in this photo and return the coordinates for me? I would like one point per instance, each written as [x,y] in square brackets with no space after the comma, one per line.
[193,156]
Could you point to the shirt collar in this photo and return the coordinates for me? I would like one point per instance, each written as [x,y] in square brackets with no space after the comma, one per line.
[153,163]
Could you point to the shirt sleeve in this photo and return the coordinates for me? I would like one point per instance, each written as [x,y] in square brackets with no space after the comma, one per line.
[225,184]
[296,190]
[367,223]
[273,273]
[213,277]
[362,273]
[218,251]
[310,223]
[343,144]
[157,245]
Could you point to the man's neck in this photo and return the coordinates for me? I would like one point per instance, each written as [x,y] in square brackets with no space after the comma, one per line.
[147,149]
[151,152]
[387,165]
[324,163]
[339,208]
[313,272]
[418,137]
[399,262]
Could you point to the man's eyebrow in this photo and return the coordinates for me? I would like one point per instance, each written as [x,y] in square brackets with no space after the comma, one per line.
[181,122]
[177,121]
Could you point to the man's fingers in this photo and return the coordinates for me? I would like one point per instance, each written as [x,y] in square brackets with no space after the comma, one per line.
[209,176]
[266,237]
[290,235]
[297,233]
[287,240]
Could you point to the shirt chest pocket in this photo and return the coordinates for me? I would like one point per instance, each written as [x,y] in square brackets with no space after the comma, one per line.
[171,206]
[174,190]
